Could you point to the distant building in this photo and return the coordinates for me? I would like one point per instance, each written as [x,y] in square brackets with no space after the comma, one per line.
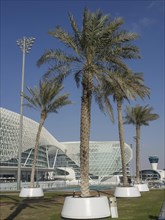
[55,160]
[153,174]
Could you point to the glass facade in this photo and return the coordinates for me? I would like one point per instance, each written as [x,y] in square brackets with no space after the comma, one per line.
[147,175]
[104,157]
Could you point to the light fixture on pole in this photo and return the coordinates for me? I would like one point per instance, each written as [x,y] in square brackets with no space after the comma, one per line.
[25,45]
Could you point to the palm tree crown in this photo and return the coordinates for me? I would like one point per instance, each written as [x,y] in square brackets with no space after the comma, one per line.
[99,43]
[46,98]
[140,115]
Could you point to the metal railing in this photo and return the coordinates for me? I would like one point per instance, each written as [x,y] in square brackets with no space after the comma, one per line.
[12,186]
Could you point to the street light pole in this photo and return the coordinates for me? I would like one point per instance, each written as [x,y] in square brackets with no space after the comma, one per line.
[25,44]
[65,165]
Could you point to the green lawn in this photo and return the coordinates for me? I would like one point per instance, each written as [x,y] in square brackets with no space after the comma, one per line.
[49,208]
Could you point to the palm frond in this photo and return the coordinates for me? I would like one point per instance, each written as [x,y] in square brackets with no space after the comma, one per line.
[56,104]
[64,37]
[78,76]
[123,37]
[55,56]
[112,26]
[102,100]
[77,33]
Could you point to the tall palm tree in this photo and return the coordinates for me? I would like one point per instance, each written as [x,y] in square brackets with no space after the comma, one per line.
[47,100]
[138,116]
[124,85]
[93,47]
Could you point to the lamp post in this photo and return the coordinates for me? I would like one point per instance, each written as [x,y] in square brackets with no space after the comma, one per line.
[65,165]
[25,45]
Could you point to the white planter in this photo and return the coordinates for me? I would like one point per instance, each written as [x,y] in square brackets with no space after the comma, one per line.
[143,187]
[130,191]
[86,208]
[31,192]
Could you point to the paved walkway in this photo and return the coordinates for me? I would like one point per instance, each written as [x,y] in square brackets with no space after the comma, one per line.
[162,212]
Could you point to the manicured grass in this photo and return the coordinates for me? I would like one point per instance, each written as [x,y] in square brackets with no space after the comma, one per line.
[146,207]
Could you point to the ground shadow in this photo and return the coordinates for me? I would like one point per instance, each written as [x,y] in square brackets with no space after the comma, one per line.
[19,205]
[153,217]
[18,208]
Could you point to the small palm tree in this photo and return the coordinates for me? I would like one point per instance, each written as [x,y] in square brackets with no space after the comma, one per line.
[47,100]
[98,43]
[138,116]
[124,85]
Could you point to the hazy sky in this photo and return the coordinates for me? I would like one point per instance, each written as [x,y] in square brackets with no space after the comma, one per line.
[36,18]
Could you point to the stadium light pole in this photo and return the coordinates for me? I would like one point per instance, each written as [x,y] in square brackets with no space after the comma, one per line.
[25,45]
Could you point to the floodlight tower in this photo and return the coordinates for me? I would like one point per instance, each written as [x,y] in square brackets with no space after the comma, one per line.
[25,45]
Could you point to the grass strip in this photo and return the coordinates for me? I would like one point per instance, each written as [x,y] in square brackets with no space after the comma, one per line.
[12,207]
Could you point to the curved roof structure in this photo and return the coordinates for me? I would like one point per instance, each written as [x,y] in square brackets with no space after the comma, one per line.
[9,135]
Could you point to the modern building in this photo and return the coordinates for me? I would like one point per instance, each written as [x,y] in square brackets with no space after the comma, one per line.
[154,174]
[55,160]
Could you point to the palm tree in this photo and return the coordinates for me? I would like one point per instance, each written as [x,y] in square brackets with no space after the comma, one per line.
[138,116]
[124,85]
[93,47]
[47,100]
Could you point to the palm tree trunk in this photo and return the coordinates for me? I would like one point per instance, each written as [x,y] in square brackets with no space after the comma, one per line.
[137,153]
[121,138]
[84,138]
[36,150]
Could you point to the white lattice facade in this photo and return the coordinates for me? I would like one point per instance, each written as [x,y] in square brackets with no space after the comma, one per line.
[9,135]
[104,157]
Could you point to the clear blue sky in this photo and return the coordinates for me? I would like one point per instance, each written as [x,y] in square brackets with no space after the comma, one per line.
[36,18]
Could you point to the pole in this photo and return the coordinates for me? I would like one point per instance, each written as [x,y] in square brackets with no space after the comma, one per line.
[25,46]
[21,119]
[65,173]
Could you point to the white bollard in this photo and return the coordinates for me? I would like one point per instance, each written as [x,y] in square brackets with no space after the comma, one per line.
[113,207]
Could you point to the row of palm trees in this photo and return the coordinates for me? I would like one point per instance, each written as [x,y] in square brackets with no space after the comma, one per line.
[97,57]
